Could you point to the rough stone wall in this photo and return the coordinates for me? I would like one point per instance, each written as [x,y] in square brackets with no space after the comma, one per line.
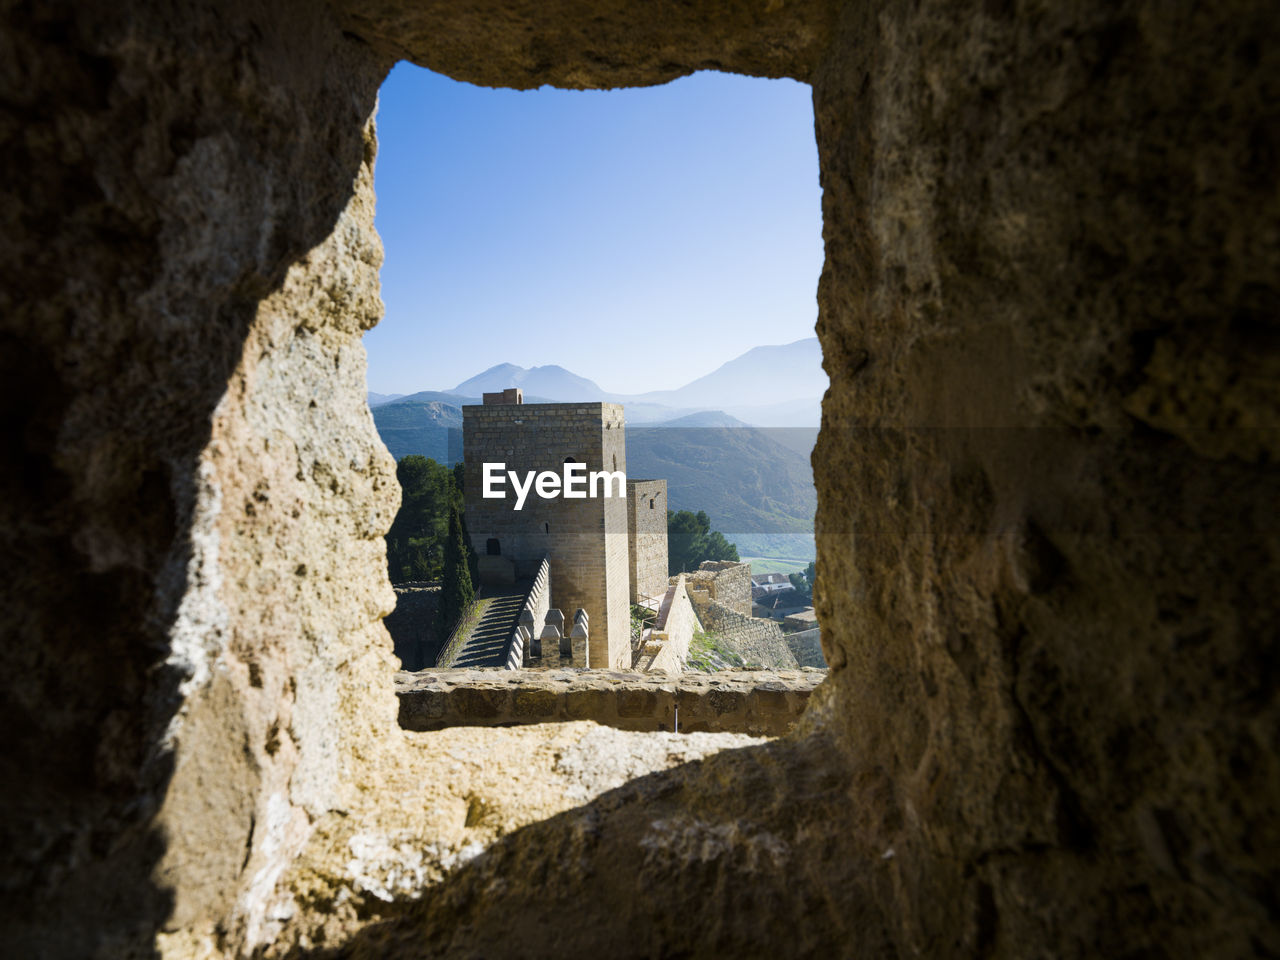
[754,702]
[1044,533]
[586,539]
[1045,525]
[193,535]
[715,652]
[647,537]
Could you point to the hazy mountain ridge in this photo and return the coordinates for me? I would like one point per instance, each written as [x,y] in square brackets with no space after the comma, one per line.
[551,381]
[789,376]
[786,371]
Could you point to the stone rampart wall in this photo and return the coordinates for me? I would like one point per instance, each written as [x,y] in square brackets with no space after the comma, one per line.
[717,618]
[724,581]
[806,647]
[755,702]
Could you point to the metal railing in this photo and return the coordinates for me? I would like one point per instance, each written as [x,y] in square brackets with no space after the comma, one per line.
[647,623]
[461,630]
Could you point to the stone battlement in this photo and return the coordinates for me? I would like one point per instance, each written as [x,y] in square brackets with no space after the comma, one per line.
[748,701]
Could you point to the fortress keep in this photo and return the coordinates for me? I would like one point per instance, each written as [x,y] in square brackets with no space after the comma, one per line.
[591,544]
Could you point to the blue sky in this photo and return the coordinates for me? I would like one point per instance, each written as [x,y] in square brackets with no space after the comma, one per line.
[637,237]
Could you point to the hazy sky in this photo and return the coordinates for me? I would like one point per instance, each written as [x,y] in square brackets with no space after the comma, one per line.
[637,237]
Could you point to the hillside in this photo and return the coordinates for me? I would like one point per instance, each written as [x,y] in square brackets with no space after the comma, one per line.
[786,372]
[745,480]
[421,426]
[702,418]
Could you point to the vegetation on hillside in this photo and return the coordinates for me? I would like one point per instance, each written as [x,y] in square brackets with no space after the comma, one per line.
[424,424]
[778,546]
[710,652]
[762,565]
[690,540]
[741,476]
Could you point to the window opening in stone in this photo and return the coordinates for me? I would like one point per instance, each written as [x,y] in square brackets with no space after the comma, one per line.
[525,234]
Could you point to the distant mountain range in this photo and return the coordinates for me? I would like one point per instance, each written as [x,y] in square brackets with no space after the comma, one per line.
[756,485]
[788,372]
[553,382]
[770,386]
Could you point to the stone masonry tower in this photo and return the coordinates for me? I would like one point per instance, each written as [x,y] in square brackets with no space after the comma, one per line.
[647,538]
[585,539]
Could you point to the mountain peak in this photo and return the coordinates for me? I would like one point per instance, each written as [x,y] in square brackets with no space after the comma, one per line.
[550,381]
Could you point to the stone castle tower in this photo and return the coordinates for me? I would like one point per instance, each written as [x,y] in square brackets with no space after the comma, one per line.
[589,542]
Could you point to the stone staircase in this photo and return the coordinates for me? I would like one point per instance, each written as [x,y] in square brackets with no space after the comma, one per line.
[486,645]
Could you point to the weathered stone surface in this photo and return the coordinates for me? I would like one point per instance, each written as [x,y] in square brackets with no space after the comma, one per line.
[442,801]
[610,43]
[1046,482]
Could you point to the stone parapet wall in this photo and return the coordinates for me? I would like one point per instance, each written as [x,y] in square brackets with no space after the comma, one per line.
[755,702]
[674,629]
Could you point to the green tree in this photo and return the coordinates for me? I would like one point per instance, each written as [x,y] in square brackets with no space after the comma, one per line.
[803,582]
[457,592]
[473,559]
[416,537]
[690,540]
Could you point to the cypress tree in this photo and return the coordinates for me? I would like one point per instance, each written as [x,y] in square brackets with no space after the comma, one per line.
[473,559]
[457,592]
